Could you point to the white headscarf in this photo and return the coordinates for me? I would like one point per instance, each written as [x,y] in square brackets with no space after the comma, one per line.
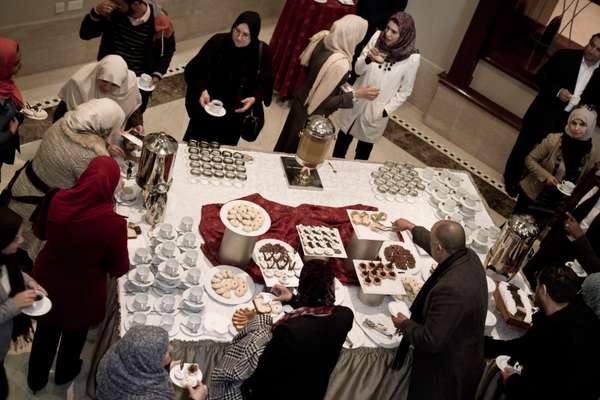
[83,86]
[345,34]
[98,116]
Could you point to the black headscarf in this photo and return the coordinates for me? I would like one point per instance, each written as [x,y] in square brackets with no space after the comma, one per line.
[252,19]
[10,222]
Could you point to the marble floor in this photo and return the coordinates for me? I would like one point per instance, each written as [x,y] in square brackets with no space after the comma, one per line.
[407,129]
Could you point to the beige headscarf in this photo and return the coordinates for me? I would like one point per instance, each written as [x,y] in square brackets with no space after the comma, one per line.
[83,86]
[586,115]
[345,34]
[97,116]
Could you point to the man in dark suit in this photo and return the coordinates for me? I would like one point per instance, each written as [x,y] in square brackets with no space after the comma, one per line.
[575,232]
[560,352]
[569,77]
[306,343]
[447,317]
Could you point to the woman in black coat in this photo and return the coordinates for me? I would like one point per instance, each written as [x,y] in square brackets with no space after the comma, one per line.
[227,69]
[306,343]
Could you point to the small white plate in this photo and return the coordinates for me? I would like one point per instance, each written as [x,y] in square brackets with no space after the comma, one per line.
[220,113]
[43,308]
[158,309]
[38,115]
[179,382]
[502,362]
[186,331]
[161,239]
[563,190]
[395,307]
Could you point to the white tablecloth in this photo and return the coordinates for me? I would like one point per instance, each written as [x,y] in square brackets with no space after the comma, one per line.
[350,185]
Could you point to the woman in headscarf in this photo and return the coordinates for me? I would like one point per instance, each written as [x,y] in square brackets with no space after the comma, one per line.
[108,78]
[16,291]
[11,101]
[306,342]
[65,152]
[328,58]
[86,241]
[560,156]
[235,68]
[389,61]
[135,368]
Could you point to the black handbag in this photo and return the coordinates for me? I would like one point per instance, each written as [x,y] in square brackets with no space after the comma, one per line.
[253,123]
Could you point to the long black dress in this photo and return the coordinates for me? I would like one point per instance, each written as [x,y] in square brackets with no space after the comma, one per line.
[229,74]
[288,138]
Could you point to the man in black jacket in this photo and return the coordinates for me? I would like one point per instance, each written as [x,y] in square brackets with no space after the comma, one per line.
[136,30]
[447,317]
[560,352]
[570,77]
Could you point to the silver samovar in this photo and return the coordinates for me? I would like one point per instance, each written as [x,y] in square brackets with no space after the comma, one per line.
[155,172]
[512,246]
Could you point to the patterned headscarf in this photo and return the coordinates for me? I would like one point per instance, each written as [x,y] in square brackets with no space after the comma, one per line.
[405,46]
[131,368]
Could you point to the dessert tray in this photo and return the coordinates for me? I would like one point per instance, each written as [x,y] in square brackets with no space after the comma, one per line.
[366,225]
[321,241]
[402,259]
[278,262]
[376,277]
[229,285]
[514,304]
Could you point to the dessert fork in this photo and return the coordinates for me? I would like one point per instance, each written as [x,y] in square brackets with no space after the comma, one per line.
[377,327]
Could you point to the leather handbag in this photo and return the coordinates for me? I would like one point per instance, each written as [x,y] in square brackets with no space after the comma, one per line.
[253,123]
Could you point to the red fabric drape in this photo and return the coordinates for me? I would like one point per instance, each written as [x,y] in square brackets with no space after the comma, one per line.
[283,227]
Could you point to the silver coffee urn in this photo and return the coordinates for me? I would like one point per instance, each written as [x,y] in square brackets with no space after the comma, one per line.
[155,172]
[509,252]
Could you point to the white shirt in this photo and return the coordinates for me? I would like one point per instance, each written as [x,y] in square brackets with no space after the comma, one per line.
[583,78]
[585,224]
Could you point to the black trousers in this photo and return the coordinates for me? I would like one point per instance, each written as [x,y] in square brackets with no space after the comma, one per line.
[3,382]
[363,149]
[146,96]
[44,348]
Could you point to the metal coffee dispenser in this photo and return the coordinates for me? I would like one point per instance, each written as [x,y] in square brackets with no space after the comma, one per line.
[512,246]
[316,139]
[157,161]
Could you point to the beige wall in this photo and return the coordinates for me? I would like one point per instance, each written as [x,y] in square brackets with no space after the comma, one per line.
[50,41]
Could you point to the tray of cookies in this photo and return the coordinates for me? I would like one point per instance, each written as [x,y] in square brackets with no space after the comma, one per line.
[377,277]
[229,285]
[321,241]
[366,223]
[278,262]
[245,218]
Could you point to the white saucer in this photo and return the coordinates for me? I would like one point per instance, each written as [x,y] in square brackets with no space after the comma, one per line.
[186,331]
[395,307]
[166,287]
[39,115]
[161,239]
[178,382]
[220,113]
[502,362]
[187,283]
[563,191]
[132,278]
[144,88]
[182,247]
[44,308]
[158,253]
[129,303]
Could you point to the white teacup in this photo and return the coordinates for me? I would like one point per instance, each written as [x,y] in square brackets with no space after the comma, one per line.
[448,206]
[167,303]
[186,224]
[195,295]
[439,196]
[193,275]
[168,249]
[190,258]
[193,323]
[482,235]
[567,186]
[165,231]
[38,303]
[427,174]
[142,255]
[129,192]
[140,302]
[469,203]
[145,82]
[215,106]
[172,267]
[189,239]
[142,274]
[167,322]
[138,319]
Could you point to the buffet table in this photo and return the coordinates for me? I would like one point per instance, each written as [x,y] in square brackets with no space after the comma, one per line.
[346,183]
